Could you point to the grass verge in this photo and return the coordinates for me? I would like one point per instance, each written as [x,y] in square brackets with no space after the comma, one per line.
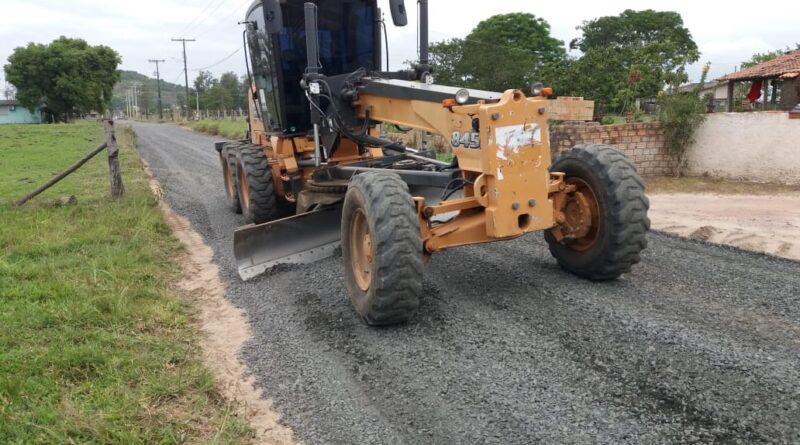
[715,186]
[96,348]
[225,128]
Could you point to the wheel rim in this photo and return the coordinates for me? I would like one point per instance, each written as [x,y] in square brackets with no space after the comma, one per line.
[582,214]
[243,189]
[361,250]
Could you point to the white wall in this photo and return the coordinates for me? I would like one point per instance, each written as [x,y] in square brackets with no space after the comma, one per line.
[759,146]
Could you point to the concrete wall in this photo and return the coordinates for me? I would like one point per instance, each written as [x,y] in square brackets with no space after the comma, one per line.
[19,115]
[759,146]
[643,143]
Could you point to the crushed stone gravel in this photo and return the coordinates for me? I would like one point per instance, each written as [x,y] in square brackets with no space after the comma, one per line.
[700,343]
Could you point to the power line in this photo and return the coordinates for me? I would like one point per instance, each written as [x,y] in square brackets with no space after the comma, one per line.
[177,77]
[183,40]
[208,15]
[219,61]
[200,14]
[236,10]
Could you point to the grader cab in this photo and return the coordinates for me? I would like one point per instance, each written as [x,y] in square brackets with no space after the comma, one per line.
[315,173]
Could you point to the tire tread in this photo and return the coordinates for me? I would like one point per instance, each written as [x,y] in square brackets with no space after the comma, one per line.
[627,208]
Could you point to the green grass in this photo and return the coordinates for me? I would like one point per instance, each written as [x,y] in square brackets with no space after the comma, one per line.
[446,157]
[225,128]
[94,346]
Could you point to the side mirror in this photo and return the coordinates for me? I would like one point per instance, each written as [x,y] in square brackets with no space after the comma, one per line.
[399,15]
[273,17]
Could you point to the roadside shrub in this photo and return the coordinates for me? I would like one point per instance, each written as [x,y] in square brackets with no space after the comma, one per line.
[680,115]
[228,129]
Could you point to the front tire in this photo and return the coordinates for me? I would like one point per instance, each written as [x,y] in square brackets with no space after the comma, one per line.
[381,249]
[607,183]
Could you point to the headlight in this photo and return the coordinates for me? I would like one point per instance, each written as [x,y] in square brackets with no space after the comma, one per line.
[537,88]
[462,96]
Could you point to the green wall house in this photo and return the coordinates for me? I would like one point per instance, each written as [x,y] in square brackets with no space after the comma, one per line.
[13,113]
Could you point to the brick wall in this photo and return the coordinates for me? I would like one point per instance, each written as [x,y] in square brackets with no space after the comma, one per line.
[643,143]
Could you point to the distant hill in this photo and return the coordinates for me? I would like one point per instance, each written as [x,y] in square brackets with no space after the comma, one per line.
[148,93]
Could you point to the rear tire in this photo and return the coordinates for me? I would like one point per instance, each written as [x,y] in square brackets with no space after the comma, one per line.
[381,249]
[255,185]
[227,158]
[619,236]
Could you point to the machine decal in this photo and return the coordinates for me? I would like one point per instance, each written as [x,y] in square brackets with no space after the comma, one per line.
[511,138]
[467,139]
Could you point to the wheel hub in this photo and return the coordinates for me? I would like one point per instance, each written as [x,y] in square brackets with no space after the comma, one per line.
[243,189]
[361,250]
[581,216]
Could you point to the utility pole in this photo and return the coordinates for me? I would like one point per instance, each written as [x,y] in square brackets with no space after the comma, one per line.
[136,91]
[158,79]
[128,103]
[185,72]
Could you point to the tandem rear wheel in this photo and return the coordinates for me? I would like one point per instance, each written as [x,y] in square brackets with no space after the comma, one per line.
[227,158]
[255,186]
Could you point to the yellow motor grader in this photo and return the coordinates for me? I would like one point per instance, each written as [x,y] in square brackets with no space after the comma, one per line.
[315,173]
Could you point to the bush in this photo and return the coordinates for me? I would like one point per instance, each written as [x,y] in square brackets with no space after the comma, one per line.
[227,129]
[680,115]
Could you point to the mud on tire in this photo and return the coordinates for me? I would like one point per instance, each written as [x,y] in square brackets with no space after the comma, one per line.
[256,188]
[390,261]
[623,221]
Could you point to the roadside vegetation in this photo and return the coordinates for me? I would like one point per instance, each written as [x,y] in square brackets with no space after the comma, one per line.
[228,129]
[707,184]
[96,348]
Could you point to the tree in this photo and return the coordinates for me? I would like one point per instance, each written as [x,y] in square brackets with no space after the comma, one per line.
[446,57]
[504,51]
[634,54]
[220,94]
[146,99]
[681,114]
[67,75]
[10,92]
[204,81]
[767,56]
[229,82]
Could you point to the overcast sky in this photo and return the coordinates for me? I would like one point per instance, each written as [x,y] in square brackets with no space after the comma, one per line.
[726,32]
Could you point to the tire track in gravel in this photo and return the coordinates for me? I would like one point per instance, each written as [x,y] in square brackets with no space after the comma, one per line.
[699,343]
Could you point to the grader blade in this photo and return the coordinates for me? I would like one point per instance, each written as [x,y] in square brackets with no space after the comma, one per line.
[300,239]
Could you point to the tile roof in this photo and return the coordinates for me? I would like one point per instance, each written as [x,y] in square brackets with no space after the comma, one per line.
[787,65]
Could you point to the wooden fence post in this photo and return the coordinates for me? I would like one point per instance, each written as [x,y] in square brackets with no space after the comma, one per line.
[117,188]
[61,175]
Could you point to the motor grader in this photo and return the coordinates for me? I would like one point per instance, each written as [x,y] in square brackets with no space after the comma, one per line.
[315,172]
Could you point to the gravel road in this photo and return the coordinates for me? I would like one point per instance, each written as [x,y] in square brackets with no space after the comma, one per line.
[699,343]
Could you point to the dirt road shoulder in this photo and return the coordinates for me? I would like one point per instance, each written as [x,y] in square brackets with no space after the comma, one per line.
[225,327]
[760,223]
